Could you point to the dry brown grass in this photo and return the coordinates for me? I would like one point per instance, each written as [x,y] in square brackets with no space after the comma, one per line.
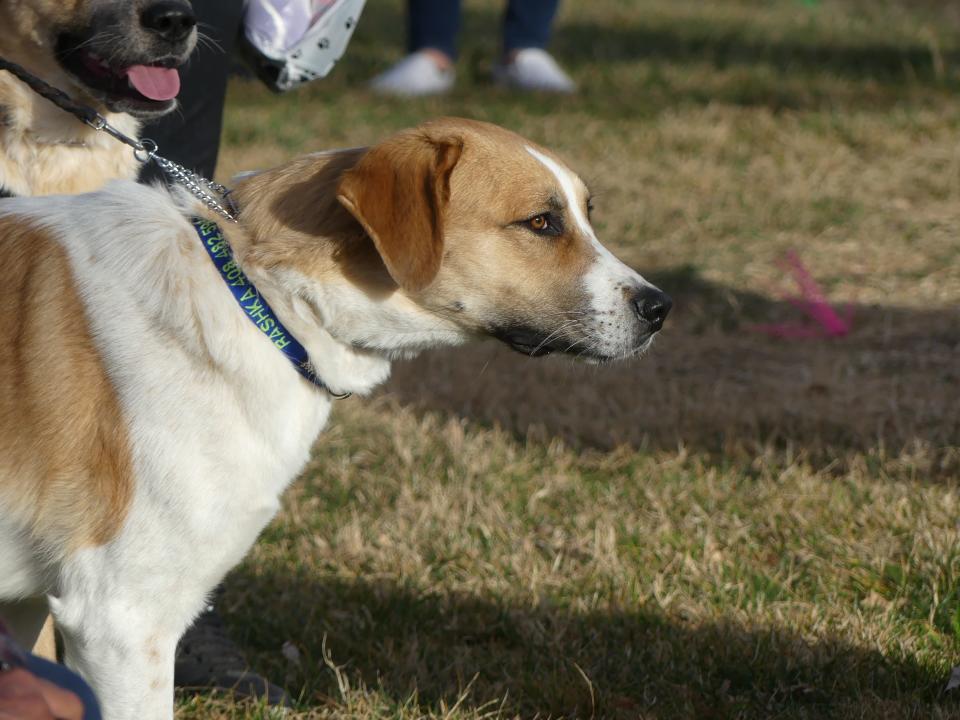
[733,526]
[422,560]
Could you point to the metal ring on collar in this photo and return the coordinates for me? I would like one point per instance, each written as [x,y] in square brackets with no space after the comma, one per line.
[147,150]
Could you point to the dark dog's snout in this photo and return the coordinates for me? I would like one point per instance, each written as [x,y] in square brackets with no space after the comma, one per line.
[171,20]
[652,306]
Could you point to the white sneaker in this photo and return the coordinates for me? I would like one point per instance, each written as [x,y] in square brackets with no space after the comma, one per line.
[417,74]
[533,69]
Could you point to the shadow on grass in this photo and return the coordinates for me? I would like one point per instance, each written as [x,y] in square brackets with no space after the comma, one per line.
[710,383]
[547,661]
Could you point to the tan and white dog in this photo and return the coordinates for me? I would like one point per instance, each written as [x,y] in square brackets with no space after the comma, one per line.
[148,427]
[118,56]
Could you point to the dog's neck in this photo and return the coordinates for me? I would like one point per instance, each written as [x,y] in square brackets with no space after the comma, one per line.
[323,276]
[43,149]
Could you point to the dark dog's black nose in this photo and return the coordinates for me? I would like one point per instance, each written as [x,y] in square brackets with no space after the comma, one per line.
[171,20]
[652,306]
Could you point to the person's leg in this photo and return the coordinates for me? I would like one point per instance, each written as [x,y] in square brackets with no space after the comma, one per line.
[526,65]
[433,24]
[527,24]
[432,29]
[191,134]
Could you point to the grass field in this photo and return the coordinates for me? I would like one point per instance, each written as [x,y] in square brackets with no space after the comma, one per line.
[734,526]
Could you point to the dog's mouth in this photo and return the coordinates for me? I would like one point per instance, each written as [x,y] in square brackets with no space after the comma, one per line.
[144,89]
[526,341]
[537,343]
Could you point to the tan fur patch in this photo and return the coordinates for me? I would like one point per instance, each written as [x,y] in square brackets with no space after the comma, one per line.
[399,193]
[296,221]
[502,272]
[443,203]
[65,464]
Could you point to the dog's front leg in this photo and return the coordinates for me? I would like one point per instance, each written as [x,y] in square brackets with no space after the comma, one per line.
[123,652]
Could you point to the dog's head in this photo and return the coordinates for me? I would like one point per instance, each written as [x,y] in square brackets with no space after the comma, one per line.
[121,54]
[454,229]
[488,231]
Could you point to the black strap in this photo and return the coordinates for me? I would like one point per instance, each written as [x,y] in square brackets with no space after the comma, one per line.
[57,97]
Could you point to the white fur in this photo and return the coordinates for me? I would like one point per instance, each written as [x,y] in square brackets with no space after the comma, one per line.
[358,320]
[20,577]
[612,318]
[206,481]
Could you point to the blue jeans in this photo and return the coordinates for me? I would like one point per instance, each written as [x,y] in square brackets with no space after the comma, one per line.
[191,134]
[436,24]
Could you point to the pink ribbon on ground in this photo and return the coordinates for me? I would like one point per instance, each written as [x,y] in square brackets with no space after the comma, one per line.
[812,302]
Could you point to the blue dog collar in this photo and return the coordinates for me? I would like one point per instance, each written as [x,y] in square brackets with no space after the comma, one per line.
[254,306]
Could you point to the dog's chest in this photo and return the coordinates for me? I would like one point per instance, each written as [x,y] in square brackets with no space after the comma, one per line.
[207,486]
[215,435]
[45,151]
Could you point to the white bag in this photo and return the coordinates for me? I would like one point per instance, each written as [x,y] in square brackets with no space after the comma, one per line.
[290,42]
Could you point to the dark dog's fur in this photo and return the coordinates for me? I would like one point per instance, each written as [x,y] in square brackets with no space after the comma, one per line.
[83,47]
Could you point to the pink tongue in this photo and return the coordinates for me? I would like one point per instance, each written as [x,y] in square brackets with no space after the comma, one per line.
[156,83]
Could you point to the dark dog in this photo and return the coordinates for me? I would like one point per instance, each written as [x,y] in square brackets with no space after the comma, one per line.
[119,56]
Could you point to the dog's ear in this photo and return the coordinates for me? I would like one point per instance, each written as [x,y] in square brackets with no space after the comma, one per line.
[398,192]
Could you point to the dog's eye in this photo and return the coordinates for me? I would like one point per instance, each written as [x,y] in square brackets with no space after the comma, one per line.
[544,224]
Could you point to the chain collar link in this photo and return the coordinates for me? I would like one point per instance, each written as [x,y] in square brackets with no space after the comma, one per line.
[212,194]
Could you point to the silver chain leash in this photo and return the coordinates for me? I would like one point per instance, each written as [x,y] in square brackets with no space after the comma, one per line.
[195,184]
[200,187]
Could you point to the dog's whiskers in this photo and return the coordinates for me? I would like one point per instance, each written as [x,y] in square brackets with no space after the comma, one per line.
[95,38]
[207,40]
[552,335]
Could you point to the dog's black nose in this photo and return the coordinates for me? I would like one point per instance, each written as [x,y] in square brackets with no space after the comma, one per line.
[171,20]
[652,306]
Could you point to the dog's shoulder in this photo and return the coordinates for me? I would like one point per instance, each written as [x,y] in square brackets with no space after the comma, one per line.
[120,207]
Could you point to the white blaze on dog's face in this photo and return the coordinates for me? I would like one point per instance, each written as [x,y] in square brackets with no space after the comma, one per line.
[491,233]
[121,54]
